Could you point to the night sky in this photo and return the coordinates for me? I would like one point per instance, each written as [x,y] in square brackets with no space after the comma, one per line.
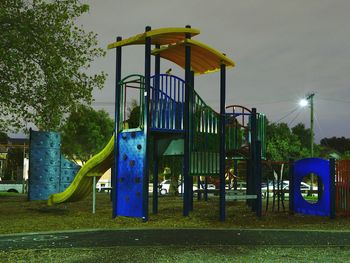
[283,50]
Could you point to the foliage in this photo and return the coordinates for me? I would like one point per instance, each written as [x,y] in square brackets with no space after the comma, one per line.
[3,138]
[14,160]
[85,133]
[43,58]
[339,144]
[304,135]
[282,144]
[134,115]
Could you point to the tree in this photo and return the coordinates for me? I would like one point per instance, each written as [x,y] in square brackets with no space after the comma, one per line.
[14,160]
[3,138]
[43,59]
[303,134]
[85,133]
[339,144]
[134,114]
[282,144]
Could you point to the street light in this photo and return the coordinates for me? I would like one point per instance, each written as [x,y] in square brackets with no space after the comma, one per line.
[309,100]
[303,103]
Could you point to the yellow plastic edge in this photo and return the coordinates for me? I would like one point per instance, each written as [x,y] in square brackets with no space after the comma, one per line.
[140,38]
[83,174]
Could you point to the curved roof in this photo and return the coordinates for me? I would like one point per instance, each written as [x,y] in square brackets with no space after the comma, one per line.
[204,59]
[161,36]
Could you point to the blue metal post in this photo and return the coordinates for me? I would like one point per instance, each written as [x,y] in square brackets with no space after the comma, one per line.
[186,171]
[235,173]
[118,74]
[206,189]
[199,195]
[332,187]
[222,141]
[155,147]
[146,119]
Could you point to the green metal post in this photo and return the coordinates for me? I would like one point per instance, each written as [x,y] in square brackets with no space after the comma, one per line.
[311,99]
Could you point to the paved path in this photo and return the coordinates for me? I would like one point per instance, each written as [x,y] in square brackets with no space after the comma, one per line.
[165,237]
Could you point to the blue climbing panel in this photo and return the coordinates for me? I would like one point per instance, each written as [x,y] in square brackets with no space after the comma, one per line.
[130,180]
[44,163]
[319,167]
[69,170]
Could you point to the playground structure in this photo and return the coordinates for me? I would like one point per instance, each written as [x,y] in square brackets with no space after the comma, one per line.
[173,120]
[171,113]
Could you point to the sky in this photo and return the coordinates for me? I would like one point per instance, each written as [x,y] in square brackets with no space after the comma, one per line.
[283,51]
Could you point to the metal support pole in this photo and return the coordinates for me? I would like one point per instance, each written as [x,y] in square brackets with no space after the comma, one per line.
[258,180]
[155,147]
[332,187]
[222,141]
[311,99]
[186,171]
[94,194]
[114,178]
[23,171]
[199,195]
[191,135]
[146,125]
[155,178]
[235,173]
[252,175]
[206,189]
[29,165]
[291,186]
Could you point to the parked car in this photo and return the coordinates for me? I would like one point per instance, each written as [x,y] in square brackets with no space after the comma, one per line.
[285,186]
[164,187]
[209,186]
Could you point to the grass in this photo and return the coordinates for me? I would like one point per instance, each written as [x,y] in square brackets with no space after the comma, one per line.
[181,254]
[20,216]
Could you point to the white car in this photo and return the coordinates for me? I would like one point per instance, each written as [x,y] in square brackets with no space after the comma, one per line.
[285,186]
[165,186]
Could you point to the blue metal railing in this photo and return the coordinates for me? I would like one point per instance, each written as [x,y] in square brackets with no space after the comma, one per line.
[167,102]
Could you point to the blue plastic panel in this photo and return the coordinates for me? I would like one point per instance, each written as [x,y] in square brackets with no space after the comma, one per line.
[44,163]
[319,167]
[130,179]
[68,172]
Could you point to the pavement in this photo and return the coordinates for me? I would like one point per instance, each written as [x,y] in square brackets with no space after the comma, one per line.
[177,237]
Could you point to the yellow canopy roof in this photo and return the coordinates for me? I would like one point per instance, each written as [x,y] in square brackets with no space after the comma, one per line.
[162,36]
[204,59]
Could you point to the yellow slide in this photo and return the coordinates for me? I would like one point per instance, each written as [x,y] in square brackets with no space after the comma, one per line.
[81,186]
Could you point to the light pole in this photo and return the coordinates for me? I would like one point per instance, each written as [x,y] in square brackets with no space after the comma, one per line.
[309,100]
